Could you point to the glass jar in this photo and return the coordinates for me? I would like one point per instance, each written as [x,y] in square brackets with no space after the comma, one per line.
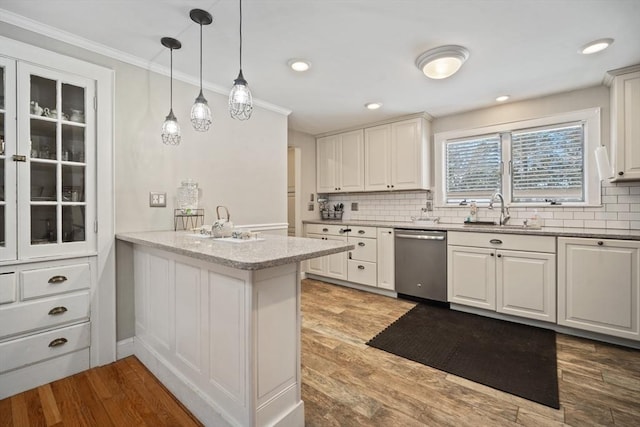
[188,197]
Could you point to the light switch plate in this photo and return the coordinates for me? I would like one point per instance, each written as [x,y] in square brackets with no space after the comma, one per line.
[354,206]
[157,199]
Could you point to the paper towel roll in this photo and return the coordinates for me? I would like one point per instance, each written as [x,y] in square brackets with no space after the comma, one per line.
[602,161]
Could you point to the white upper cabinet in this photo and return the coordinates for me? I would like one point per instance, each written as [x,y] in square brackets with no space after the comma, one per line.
[8,189]
[625,124]
[340,163]
[397,156]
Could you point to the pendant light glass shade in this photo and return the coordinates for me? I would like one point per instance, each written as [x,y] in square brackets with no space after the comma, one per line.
[171,134]
[240,99]
[200,112]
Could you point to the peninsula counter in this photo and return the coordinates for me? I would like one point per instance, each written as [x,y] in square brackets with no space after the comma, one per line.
[218,322]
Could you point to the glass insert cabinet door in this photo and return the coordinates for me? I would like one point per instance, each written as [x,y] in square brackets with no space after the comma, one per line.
[8,225]
[56,182]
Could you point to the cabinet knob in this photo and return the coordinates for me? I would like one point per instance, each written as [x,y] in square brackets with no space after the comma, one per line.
[361,244]
[392,186]
[621,173]
[58,342]
[600,243]
[361,267]
[57,279]
[492,254]
[499,256]
[390,232]
[57,310]
[360,231]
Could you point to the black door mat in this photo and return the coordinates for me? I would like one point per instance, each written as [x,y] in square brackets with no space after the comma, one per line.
[510,357]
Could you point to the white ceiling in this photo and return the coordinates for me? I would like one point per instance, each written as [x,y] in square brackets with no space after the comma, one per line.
[363,50]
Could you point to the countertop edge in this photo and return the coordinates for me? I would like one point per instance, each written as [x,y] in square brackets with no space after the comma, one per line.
[596,233]
[240,265]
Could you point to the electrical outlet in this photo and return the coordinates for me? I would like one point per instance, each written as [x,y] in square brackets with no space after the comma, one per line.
[354,206]
[157,199]
[310,207]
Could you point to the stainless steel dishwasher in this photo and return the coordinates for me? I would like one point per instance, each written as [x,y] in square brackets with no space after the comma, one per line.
[421,264]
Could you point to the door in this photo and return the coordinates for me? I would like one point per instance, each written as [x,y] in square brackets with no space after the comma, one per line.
[471,276]
[599,286]
[626,126]
[386,259]
[56,184]
[526,284]
[377,151]
[406,155]
[8,216]
[327,164]
[351,162]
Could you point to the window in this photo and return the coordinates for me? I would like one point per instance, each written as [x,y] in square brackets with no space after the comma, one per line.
[540,161]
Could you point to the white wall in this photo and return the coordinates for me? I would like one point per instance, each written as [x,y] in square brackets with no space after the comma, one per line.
[241,165]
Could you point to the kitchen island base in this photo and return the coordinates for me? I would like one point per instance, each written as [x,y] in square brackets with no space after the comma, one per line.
[225,341]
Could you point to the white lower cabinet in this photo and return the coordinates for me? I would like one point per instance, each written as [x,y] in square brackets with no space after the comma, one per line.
[45,327]
[508,273]
[386,259]
[599,286]
[370,263]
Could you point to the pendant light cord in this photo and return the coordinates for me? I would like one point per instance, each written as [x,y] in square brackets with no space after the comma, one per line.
[200,57]
[171,82]
[240,35]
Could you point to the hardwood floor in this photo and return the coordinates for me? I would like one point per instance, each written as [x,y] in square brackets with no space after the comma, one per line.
[120,394]
[347,383]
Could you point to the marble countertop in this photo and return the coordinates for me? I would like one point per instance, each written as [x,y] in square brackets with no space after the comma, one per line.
[267,251]
[597,233]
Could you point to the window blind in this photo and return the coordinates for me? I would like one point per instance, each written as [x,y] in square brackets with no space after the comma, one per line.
[548,163]
[473,168]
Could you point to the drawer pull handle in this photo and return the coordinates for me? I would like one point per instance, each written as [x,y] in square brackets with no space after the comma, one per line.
[325,229]
[361,267]
[58,342]
[57,279]
[57,310]
[495,241]
[360,244]
[360,231]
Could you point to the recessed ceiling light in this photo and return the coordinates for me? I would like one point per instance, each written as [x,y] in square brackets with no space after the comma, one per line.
[442,62]
[502,98]
[595,46]
[373,105]
[299,65]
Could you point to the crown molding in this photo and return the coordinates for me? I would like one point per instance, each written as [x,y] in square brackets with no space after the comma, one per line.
[77,41]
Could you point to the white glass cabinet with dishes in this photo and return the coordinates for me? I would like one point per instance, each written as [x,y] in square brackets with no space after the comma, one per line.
[48,197]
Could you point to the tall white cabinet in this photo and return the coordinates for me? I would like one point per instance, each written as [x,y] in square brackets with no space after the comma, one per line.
[340,160]
[51,257]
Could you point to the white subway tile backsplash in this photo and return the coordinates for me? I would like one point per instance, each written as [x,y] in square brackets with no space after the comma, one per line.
[620,209]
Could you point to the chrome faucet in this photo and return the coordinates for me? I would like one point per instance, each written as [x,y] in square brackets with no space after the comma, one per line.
[504,211]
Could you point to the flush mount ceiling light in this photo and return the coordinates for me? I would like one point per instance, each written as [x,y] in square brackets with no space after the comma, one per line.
[373,105]
[200,112]
[240,99]
[595,46]
[502,98]
[442,62]
[299,65]
[170,128]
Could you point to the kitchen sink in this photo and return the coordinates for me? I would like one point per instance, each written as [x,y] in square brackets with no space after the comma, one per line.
[492,224]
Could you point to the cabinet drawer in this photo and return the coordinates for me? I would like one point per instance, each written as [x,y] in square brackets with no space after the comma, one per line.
[362,272]
[327,229]
[517,242]
[365,249]
[7,288]
[54,280]
[46,345]
[370,232]
[43,313]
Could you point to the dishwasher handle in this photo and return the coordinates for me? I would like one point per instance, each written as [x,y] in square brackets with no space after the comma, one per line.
[420,237]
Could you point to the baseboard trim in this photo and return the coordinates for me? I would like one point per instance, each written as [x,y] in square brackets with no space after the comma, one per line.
[124,348]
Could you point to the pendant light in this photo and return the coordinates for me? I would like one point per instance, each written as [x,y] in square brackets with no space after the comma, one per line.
[240,100]
[200,112]
[170,128]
